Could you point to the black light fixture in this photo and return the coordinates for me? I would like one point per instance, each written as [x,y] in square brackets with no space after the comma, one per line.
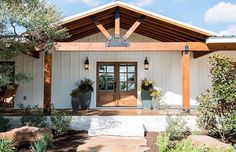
[146,64]
[86,64]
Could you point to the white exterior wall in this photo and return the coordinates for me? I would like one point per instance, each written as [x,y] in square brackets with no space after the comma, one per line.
[31,92]
[68,68]
[165,69]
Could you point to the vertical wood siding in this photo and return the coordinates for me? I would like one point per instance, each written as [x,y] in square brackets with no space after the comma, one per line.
[68,68]
[31,92]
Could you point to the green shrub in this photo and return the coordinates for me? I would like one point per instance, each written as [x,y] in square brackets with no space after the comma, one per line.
[38,146]
[33,116]
[85,85]
[197,132]
[42,145]
[4,124]
[163,143]
[176,131]
[6,146]
[48,141]
[60,122]
[187,146]
[177,128]
[217,106]
[229,149]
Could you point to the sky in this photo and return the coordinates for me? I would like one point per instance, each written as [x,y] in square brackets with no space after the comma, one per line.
[218,16]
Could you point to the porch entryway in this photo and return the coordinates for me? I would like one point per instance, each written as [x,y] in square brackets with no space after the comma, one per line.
[116,84]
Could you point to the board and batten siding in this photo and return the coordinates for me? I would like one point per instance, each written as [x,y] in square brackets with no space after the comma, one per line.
[30,92]
[68,68]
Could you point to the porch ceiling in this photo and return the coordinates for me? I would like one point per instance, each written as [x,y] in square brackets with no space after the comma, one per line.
[151,27]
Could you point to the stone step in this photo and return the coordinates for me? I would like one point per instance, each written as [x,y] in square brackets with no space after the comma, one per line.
[115,126]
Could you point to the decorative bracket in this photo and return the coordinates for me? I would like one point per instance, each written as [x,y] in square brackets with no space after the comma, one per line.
[101,28]
[134,27]
[118,41]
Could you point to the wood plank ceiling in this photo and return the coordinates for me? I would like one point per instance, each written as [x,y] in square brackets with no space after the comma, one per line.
[150,27]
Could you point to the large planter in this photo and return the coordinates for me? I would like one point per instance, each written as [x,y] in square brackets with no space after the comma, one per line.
[146,99]
[85,100]
[75,103]
[156,104]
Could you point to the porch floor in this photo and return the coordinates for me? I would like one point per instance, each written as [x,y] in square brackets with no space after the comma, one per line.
[109,112]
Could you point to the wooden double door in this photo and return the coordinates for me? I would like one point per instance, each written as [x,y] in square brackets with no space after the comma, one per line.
[116,84]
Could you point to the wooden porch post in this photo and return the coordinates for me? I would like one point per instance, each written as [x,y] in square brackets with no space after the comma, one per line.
[186,79]
[47,83]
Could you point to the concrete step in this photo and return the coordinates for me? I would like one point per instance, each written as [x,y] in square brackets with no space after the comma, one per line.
[115,126]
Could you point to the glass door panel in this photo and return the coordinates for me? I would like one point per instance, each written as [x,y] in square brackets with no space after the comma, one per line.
[128,84]
[127,77]
[117,84]
[106,77]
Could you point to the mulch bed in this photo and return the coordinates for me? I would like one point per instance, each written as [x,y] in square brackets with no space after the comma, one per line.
[70,142]
[64,143]
[151,141]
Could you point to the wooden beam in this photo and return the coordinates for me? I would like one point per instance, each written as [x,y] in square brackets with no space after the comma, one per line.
[47,83]
[101,28]
[117,24]
[186,80]
[134,46]
[222,46]
[216,47]
[133,27]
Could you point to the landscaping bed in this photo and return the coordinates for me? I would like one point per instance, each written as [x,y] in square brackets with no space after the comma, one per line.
[68,142]
[151,141]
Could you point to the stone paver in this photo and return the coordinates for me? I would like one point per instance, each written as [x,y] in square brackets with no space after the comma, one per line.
[113,144]
[207,140]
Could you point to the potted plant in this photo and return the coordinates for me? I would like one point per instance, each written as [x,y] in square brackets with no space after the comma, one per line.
[148,92]
[75,97]
[86,89]
[81,96]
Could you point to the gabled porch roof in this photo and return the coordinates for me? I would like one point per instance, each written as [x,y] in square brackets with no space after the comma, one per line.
[173,35]
[154,25]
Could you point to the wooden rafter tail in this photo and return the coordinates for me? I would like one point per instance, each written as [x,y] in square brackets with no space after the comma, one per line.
[117,23]
[134,27]
[101,28]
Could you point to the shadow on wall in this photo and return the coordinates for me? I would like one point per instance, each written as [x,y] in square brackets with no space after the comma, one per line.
[172,98]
